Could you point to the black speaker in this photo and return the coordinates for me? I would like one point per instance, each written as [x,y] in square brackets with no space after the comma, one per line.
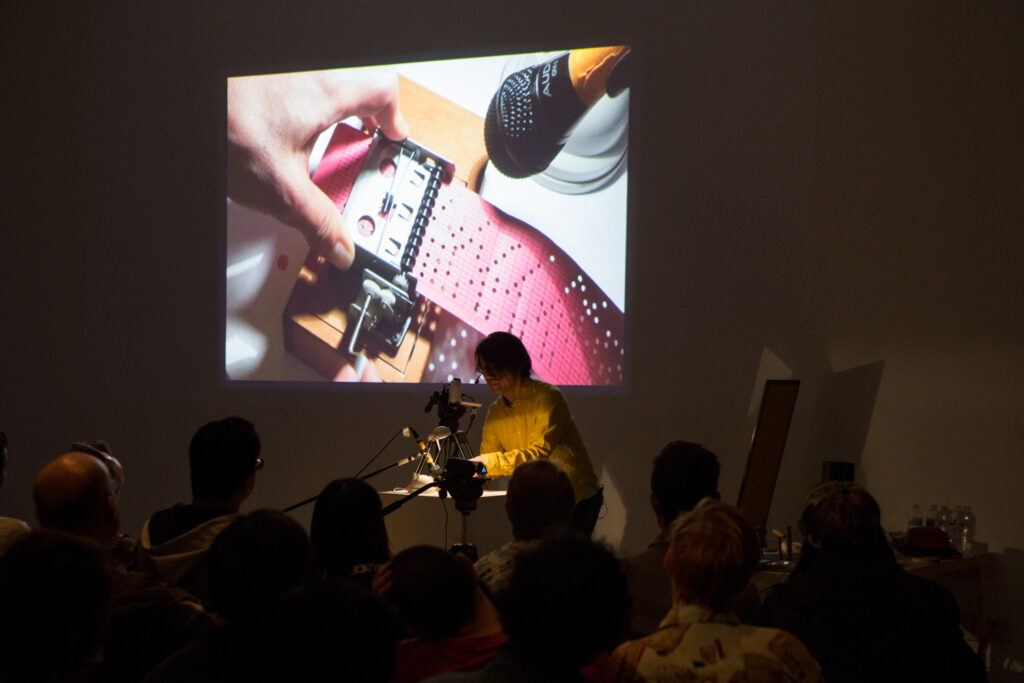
[836,470]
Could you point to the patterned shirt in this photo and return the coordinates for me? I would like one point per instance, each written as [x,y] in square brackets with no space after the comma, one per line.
[495,568]
[695,644]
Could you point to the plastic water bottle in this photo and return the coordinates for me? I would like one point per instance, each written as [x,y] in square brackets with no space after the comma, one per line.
[932,516]
[953,527]
[943,520]
[968,522]
[915,516]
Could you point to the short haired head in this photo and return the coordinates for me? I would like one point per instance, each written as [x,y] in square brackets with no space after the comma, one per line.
[433,591]
[256,559]
[565,602]
[841,517]
[712,554]
[539,497]
[503,353]
[222,456]
[75,494]
[348,529]
[682,475]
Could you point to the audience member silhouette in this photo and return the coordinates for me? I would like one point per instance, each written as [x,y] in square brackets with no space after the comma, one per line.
[54,602]
[252,564]
[223,461]
[683,473]
[258,558]
[860,614]
[149,619]
[539,499]
[347,532]
[328,627]
[713,552]
[566,603]
[453,624]
[11,529]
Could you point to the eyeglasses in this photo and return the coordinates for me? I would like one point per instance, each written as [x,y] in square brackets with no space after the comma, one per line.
[259,465]
[489,370]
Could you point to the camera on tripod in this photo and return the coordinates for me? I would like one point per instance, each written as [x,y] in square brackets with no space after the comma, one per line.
[459,480]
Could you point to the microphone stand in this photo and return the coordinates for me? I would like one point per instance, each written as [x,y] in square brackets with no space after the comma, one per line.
[401,462]
[463,504]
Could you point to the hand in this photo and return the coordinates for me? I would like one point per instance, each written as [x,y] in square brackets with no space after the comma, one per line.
[273,122]
[482,459]
[382,581]
[362,370]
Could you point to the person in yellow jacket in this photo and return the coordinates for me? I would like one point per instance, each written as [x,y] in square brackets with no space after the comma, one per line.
[530,419]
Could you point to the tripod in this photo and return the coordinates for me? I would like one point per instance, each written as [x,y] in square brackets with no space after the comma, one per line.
[450,451]
[459,480]
[447,441]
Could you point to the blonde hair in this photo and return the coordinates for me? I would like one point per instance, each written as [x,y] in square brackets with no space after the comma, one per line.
[713,552]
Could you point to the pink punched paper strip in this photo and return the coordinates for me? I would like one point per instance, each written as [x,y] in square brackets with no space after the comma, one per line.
[497,273]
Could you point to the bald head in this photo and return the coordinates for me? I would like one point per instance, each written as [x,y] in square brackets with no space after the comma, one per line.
[74,494]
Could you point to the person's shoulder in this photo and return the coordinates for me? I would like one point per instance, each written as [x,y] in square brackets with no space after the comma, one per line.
[652,555]
[541,392]
[539,386]
[14,526]
[929,597]
[791,654]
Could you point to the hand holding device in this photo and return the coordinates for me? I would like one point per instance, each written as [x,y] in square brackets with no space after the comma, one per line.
[273,122]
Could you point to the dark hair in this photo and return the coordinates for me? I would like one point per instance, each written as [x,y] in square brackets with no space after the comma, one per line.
[433,592]
[256,559]
[683,473]
[347,530]
[539,496]
[221,457]
[503,352]
[841,517]
[566,601]
[55,592]
[713,552]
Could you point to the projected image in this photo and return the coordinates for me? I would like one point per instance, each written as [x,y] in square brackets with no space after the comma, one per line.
[381,221]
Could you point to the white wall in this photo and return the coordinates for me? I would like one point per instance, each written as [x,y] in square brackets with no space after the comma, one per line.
[837,185]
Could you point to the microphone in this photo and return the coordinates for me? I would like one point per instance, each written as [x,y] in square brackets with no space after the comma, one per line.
[409,432]
[440,432]
[535,109]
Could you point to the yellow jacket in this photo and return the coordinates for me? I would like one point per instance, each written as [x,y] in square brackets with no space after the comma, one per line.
[538,425]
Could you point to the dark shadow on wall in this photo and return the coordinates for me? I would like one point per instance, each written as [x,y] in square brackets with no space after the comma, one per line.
[845,409]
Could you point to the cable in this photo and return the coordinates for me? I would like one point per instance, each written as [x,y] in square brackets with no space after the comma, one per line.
[377,454]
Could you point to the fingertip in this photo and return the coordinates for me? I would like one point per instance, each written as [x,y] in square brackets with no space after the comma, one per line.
[399,128]
[340,250]
[370,373]
[340,256]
